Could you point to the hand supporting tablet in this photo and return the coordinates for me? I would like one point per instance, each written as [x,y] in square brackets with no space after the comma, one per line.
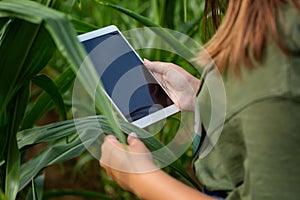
[131,87]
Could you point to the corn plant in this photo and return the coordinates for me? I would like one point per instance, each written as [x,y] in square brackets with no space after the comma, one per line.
[30,34]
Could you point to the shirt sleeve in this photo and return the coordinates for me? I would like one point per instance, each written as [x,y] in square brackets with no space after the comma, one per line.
[290,28]
[271,133]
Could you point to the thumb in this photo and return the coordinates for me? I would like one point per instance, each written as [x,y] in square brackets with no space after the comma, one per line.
[132,139]
[156,67]
[148,64]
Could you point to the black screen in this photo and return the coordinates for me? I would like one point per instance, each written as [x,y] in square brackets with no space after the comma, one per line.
[129,84]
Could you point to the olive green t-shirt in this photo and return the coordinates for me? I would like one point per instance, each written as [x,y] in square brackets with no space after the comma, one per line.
[257,153]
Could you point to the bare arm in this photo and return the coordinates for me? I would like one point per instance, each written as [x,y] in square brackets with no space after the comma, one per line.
[131,166]
[159,185]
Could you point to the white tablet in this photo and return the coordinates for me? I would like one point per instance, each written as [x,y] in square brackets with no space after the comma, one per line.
[130,86]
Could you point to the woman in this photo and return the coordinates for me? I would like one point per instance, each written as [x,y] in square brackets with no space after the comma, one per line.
[257,50]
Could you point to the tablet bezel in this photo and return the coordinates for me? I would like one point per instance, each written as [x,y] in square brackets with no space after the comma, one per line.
[151,118]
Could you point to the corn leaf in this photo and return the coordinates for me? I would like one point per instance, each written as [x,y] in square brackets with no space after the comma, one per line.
[47,84]
[56,152]
[59,151]
[64,36]
[44,104]
[82,26]
[11,66]
[61,33]
[36,190]
[180,48]
[13,159]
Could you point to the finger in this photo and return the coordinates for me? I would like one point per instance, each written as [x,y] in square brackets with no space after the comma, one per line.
[109,151]
[156,67]
[132,139]
[110,137]
[158,70]
[111,143]
[162,67]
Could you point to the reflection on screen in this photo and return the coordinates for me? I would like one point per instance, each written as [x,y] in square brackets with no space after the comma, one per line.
[128,83]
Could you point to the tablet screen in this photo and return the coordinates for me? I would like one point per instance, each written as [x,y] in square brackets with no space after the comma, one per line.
[132,88]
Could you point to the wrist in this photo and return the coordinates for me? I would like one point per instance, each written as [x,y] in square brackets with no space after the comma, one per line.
[144,181]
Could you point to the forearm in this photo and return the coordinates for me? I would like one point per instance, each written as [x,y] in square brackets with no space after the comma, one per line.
[159,185]
[152,185]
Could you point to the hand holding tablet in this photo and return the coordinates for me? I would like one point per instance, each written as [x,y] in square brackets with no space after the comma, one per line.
[133,90]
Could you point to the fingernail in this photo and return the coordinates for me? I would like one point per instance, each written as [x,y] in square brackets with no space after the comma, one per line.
[146,60]
[132,134]
[111,137]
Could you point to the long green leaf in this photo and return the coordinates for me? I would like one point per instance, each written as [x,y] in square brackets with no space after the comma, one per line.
[56,131]
[12,169]
[180,48]
[38,56]
[4,137]
[15,61]
[56,152]
[82,27]
[60,130]
[13,154]
[34,195]
[3,24]
[37,187]
[44,104]
[168,13]
[47,84]
[191,27]
[18,32]
[18,62]
[31,195]
[64,36]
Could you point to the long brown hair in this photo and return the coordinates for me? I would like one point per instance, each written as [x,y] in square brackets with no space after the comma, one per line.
[244,31]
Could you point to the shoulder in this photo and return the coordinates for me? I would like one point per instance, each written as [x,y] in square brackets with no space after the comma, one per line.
[289,27]
[277,76]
